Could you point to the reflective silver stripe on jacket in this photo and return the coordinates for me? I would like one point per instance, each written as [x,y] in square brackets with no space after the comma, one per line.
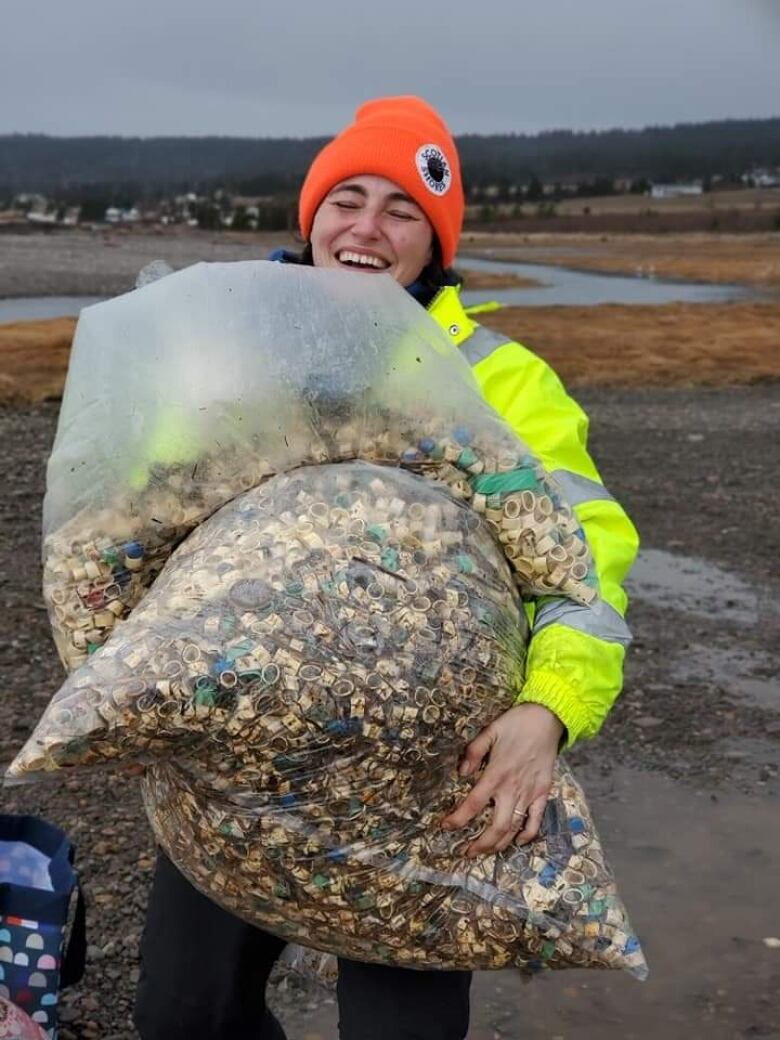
[599,619]
[481,344]
[577,489]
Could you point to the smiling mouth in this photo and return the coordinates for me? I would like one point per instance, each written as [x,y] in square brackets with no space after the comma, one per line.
[361,261]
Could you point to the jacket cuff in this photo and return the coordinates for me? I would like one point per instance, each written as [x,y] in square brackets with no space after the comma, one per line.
[547,689]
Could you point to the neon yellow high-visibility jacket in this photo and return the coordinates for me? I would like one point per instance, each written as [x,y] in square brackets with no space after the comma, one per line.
[575,657]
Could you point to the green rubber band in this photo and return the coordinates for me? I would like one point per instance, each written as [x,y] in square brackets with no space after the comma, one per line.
[390,559]
[504,483]
[376,533]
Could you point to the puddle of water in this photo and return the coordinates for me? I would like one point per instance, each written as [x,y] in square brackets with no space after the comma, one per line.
[764,693]
[733,668]
[30,308]
[693,586]
[564,287]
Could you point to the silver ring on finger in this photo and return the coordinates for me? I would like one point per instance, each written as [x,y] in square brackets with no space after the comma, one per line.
[520,812]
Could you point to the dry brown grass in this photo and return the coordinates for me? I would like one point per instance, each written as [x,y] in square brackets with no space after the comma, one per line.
[742,259]
[489,280]
[34,359]
[676,345]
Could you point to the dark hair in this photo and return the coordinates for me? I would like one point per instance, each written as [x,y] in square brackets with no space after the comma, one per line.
[434,276]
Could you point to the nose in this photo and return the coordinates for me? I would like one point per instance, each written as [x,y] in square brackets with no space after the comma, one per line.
[366,223]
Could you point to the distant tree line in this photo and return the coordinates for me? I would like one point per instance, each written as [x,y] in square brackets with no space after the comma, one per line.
[689,150]
[97,172]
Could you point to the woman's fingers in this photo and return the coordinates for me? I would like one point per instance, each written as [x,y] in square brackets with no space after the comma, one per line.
[510,821]
[520,746]
[502,828]
[534,820]
[519,817]
[476,751]
[473,804]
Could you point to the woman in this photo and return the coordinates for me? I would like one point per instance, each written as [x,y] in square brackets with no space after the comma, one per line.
[385,196]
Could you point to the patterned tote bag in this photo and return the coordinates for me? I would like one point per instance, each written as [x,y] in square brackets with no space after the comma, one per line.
[37,883]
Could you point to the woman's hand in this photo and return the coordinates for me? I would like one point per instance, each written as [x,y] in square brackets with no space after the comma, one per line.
[522,745]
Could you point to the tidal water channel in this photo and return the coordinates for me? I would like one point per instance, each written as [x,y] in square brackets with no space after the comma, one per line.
[562,287]
[559,287]
[34,308]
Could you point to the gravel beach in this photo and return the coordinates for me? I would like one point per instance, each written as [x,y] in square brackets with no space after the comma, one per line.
[106,261]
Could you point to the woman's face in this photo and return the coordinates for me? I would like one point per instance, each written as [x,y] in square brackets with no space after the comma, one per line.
[368,224]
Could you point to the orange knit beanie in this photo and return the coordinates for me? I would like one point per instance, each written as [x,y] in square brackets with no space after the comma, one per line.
[406,141]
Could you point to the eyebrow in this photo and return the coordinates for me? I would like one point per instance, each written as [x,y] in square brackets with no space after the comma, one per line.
[358,189]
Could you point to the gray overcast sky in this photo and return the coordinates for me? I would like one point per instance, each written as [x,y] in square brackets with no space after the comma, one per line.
[254,68]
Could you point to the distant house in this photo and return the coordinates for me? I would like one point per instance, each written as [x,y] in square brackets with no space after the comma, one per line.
[36,217]
[676,191]
[27,201]
[252,201]
[114,215]
[766,178]
[40,211]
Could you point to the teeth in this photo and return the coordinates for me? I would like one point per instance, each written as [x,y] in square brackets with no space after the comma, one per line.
[348,257]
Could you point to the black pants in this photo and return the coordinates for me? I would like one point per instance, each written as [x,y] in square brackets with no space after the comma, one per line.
[204,972]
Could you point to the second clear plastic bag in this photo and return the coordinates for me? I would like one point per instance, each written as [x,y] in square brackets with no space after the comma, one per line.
[302,679]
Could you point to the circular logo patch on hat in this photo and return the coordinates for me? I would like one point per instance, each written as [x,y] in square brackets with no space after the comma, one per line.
[434,169]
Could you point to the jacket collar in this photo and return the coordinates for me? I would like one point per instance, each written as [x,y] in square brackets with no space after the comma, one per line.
[448,311]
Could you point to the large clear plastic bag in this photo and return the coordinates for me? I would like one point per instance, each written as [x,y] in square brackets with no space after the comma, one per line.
[194,388]
[301,679]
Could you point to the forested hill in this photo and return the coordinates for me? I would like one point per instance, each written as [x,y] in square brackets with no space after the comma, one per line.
[32,162]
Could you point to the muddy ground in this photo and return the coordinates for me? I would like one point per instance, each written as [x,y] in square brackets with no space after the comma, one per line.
[683,780]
